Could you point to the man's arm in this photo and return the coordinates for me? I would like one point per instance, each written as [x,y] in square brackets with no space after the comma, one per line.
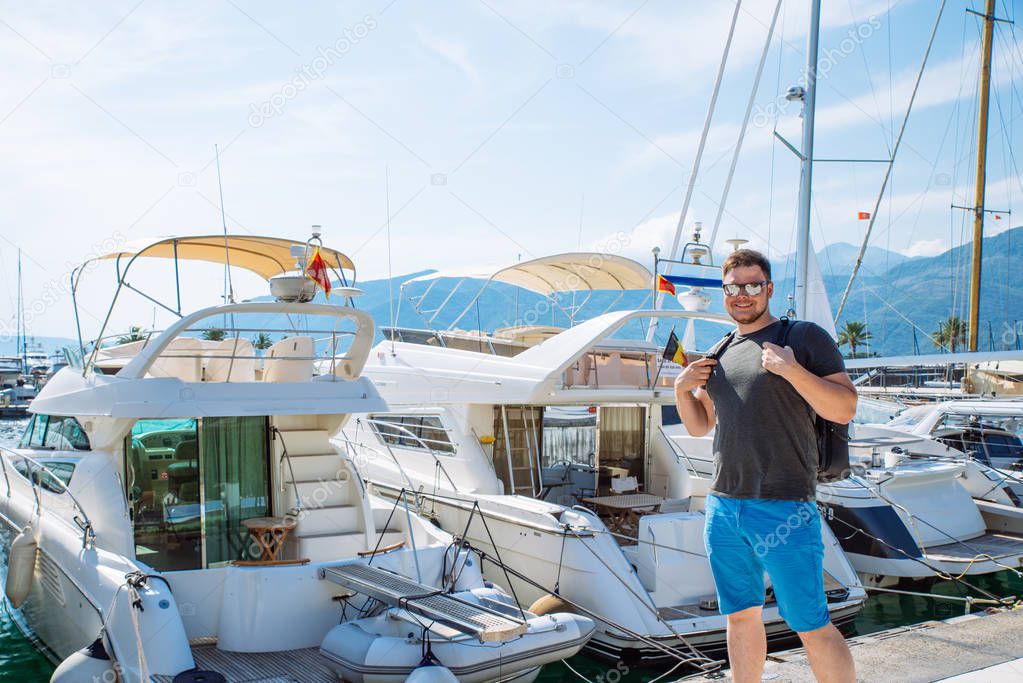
[697,412]
[833,397]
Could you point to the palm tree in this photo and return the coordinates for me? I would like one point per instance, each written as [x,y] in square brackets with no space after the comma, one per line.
[213,334]
[951,333]
[134,334]
[854,334]
[262,341]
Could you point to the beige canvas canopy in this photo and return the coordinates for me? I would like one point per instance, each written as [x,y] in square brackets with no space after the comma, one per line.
[265,256]
[578,271]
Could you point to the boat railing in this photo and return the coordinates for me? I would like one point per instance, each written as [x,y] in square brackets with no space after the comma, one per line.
[605,368]
[286,458]
[679,452]
[82,522]
[388,428]
[209,346]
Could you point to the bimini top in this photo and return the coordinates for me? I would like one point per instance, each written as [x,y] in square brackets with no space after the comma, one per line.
[577,271]
[265,256]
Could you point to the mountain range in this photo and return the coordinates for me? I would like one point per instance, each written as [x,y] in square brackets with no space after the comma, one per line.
[901,299]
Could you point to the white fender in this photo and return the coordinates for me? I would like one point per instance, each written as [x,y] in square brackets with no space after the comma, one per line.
[21,566]
[431,674]
[85,666]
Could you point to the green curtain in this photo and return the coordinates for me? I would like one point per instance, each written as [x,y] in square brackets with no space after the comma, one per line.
[235,477]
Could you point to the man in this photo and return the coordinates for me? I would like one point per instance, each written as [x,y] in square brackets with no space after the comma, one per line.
[760,510]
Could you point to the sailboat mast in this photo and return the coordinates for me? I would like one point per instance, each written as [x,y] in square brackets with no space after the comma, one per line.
[978,204]
[806,163]
[22,346]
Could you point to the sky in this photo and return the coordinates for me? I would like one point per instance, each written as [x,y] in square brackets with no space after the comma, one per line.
[448,134]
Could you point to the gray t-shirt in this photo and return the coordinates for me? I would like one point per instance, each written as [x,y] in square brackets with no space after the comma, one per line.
[765,445]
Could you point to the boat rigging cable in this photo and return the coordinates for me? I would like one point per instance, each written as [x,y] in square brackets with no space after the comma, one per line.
[977,555]
[697,159]
[742,130]
[498,562]
[891,165]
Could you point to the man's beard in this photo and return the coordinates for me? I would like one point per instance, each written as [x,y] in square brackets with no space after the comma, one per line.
[747,316]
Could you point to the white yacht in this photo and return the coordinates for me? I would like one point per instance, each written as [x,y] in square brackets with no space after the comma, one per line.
[504,437]
[913,509]
[182,514]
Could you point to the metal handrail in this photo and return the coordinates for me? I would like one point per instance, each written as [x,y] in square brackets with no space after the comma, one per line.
[88,533]
[359,445]
[678,450]
[3,463]
[409,434]
[286,456]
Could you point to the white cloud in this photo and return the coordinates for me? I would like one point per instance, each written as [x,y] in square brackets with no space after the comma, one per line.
[455,53]
[926,248]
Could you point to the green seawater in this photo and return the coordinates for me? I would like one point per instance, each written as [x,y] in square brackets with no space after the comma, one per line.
[21,659]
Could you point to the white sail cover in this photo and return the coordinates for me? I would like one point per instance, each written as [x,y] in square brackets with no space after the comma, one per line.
[818,308]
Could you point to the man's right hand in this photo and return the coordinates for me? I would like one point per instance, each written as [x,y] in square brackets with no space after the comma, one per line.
[695,374]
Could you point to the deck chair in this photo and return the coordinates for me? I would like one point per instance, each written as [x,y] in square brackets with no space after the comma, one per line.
[289,360]
[221,367]
[182,359]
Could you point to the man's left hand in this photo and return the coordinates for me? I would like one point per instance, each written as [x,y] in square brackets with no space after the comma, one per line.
[779,360]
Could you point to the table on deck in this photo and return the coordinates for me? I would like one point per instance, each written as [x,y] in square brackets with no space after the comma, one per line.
[623,511]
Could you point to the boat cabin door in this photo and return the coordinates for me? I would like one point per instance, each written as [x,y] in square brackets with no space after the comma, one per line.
[621,447]
[518,441]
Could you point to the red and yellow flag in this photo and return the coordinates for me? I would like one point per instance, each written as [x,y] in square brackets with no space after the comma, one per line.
[863,215]
[664,286]
[316,270]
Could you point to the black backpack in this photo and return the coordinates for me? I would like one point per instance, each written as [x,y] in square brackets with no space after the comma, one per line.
[832,437]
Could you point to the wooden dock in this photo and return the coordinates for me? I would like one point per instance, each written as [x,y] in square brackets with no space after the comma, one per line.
[967,649]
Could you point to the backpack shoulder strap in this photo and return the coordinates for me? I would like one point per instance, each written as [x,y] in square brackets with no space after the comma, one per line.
[786,329]
[719,348]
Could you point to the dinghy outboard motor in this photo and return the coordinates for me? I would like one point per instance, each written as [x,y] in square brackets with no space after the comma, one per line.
[21,566]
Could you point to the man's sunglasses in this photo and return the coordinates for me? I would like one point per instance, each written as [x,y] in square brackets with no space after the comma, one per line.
[752,288]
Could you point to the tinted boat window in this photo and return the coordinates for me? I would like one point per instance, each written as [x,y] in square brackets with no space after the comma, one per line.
[64,433]
[27,434]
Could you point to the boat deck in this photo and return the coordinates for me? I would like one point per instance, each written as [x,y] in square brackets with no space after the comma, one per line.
[290,666]
[969,648]
[996,545]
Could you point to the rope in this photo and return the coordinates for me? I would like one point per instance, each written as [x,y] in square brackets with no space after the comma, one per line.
[944,575]
[651,608]
[561,561]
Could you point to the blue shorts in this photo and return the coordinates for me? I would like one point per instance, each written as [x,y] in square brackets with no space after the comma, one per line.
[747,536]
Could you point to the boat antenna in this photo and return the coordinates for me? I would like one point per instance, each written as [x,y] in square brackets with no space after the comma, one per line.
[390,277]
[579,247]
[228,285]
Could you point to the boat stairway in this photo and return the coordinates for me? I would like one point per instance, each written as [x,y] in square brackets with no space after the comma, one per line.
[485,624]
[314,480]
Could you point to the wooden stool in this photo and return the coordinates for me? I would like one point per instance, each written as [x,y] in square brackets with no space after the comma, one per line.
[269,533]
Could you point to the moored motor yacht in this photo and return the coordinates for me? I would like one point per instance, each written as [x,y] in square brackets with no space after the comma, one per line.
[912,508]
[505,438]
[179,505]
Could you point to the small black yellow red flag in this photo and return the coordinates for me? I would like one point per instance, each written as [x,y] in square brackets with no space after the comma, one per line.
[674,352]
[664,286]
[316,270]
